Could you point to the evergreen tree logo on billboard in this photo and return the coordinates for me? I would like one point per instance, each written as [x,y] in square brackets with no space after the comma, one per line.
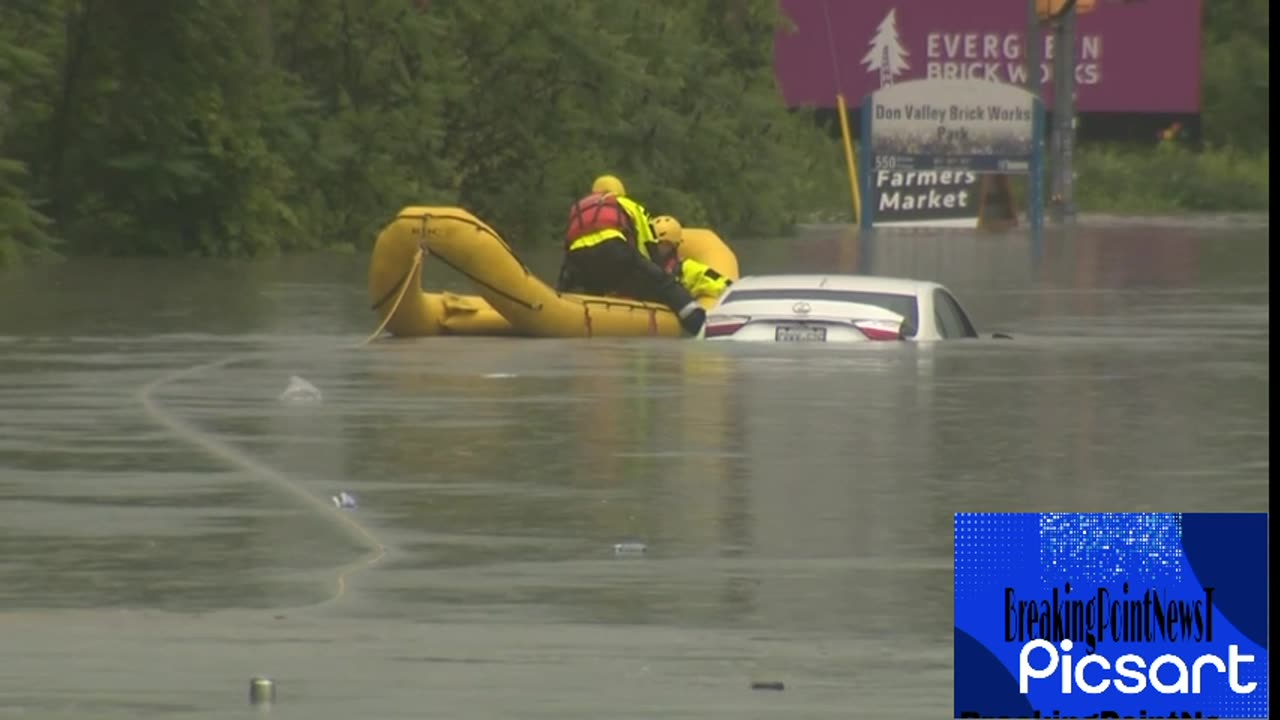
[887,55]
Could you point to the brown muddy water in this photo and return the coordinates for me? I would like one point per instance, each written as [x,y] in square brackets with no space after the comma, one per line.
[795,505]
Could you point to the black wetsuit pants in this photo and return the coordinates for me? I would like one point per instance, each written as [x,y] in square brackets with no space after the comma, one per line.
[615,266]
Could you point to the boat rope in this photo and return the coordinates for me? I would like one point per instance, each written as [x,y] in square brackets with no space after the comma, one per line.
[403,281]
[480,227]
[491,288]
[375,550]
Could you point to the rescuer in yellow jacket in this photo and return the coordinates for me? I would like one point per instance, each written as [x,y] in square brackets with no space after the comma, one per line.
[608,245]
[696,277]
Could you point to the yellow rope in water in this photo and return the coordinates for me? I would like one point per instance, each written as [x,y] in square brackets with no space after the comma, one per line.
[216,448]
[408,280]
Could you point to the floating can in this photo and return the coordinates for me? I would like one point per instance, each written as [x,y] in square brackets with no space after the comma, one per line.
[262,691]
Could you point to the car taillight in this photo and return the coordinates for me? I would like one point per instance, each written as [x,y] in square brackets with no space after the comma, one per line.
[721,325]
[880,329]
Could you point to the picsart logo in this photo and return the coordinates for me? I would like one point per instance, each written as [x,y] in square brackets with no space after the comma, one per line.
[1128,666]
[887,55]
[1102,618]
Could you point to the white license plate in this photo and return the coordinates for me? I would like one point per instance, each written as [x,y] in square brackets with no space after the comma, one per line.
[800,334]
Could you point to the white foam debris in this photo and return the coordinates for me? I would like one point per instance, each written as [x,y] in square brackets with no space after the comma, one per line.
[300,391]
[630,548]
[500,375]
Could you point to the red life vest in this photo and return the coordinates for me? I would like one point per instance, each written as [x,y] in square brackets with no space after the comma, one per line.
[596,212]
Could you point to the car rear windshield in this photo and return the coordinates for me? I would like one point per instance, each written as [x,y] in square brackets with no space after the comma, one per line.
[904,305]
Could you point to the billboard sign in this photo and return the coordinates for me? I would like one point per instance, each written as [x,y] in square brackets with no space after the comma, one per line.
[922,131]
[1119,68]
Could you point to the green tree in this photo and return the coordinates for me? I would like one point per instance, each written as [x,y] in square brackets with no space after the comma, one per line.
[369,138]
[24,72]
[1236,78]
[238,129]
[161,146]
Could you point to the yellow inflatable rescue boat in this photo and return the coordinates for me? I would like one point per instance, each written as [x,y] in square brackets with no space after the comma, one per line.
[511,300]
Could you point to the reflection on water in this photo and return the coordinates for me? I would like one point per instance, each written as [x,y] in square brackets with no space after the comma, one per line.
[795,502]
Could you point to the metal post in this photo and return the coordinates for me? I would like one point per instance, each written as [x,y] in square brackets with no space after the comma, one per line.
[1055,134]
[1034,42]
[1068,127]
[1064,115]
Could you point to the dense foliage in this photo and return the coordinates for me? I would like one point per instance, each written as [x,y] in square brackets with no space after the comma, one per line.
[1236,77]
[207,127]
[1230,169]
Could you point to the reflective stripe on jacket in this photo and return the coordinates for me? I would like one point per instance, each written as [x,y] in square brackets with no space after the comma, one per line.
[596,238]
[699,279]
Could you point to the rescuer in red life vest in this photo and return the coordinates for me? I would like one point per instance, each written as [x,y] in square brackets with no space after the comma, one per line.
[698,278]
[607,250]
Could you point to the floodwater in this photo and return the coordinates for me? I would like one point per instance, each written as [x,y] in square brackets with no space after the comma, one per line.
[795,504]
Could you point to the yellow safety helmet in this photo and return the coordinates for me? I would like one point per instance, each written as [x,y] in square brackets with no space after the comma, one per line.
[608,184]
[667,229]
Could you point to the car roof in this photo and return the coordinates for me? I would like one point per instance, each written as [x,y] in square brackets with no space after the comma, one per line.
[863,283]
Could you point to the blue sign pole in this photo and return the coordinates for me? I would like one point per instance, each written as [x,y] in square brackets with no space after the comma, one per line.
[1035,194]
[866,253]
[868,166]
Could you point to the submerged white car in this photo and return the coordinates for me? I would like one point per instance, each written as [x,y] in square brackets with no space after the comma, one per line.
[836,309]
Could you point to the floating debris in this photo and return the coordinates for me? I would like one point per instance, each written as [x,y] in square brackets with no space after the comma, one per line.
[500,375]
[630,548]
[300,391]
[344,501]
[768,685]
